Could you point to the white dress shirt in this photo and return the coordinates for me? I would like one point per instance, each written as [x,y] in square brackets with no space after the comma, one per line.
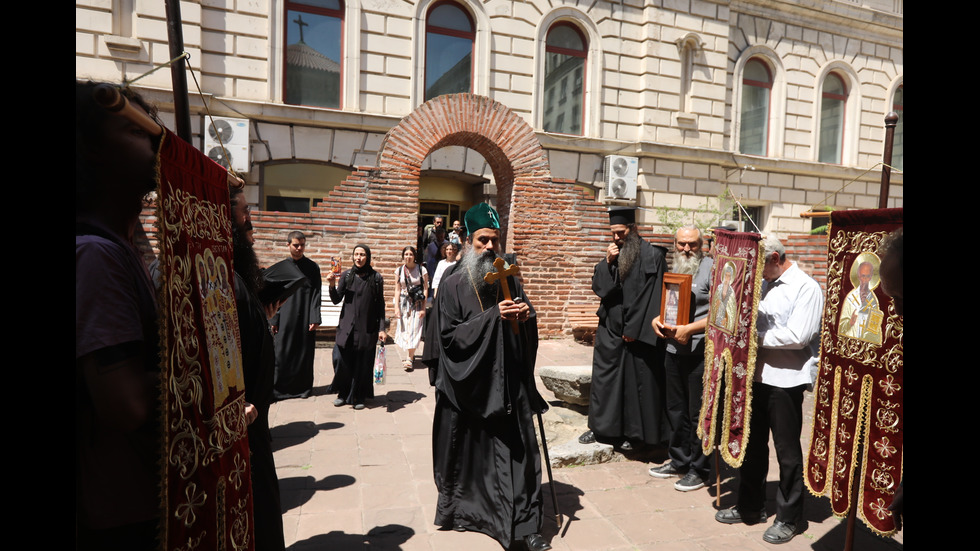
[789,330]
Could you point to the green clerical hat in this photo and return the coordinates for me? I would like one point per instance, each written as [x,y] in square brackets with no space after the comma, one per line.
[481,216]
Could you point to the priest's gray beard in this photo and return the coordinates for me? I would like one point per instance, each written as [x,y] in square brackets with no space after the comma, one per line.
[687,263]
[477,266]
[629,252]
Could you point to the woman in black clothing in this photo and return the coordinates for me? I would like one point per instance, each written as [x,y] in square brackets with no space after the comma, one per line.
[360,328]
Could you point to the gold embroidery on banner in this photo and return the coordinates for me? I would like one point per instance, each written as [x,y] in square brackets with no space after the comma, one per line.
[881,477]
[886,417]
[192,543]
[879,508]
[885,447]
[194,500]
[239,527]
[238,471]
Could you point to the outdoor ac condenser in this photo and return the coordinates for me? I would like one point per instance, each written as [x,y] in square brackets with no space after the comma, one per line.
[233,133]
[620,175]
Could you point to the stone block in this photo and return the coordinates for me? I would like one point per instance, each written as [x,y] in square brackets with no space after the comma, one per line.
[570,383]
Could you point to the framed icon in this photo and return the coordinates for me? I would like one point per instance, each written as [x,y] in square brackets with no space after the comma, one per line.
[675,301]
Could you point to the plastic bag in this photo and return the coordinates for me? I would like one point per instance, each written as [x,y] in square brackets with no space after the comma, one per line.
[379,365]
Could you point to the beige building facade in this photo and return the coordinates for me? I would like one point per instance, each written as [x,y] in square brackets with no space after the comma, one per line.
[778,103]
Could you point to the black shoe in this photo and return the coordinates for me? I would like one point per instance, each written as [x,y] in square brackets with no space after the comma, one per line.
[782,532]
[666,470]
[588,437]
[626,446]
[458,527]
[734,516]
[691,481]
[536,542]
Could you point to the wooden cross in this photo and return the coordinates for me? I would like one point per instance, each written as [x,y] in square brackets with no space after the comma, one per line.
[502,274]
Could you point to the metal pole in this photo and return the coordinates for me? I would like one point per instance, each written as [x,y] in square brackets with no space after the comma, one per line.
[178,73]
[891,119]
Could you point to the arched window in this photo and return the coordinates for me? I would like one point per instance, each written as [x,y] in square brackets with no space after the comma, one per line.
[898,141]
[314,38]
[449,36]
[566,50]
[756,98]
[832,106]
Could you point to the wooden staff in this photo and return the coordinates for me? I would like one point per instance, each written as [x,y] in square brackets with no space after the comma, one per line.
[501,275]
[112,100]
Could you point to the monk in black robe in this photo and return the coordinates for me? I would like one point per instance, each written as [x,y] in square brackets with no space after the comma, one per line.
[258,367]
[485,453]
[295,327]
[627,399]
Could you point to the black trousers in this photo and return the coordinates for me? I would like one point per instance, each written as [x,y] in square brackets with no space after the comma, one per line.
[684,389]
[779,410]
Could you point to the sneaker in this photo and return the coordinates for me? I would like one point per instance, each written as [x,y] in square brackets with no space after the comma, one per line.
[339,402]
[691,481]
[666,470]
[734,516]
[782,532]
[358,406]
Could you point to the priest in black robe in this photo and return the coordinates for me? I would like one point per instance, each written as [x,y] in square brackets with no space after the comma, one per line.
[258,367]
[485,453]
[627,399]
[295,327]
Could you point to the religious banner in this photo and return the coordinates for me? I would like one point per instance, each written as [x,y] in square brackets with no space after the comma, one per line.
[857,421]
[206,481]
[730,344]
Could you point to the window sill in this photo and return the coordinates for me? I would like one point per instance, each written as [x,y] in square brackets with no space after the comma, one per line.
[122,43]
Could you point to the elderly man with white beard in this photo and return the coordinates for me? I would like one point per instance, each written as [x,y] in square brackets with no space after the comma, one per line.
[684,366]
[484,450]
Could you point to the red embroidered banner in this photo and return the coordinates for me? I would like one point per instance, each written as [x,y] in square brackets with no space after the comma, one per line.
[859,388]
[206,490]
[730,343]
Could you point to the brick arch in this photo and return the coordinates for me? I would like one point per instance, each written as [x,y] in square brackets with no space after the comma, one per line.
[508,144]
[551,225]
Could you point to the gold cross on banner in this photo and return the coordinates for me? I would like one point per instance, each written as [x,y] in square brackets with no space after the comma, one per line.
[502,274]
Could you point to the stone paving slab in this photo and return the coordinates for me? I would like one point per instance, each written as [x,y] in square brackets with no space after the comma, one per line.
[362,480]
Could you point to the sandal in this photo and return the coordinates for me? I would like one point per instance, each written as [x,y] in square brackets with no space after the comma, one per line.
[407,364]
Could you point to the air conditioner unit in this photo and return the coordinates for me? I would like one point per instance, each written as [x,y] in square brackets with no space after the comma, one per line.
[233,134]
[620,174]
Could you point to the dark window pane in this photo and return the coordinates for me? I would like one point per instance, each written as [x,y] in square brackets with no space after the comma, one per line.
[447,64]
[449,16]
[287,204]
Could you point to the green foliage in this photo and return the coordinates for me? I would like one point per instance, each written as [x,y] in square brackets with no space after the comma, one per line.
[705,216]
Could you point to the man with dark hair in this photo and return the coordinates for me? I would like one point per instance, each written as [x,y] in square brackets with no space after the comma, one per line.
[117,373]
[258,364]
[484,450]
[429,233]
[432,252]
[626,403]
[684,367]
[788,325]
[295,327]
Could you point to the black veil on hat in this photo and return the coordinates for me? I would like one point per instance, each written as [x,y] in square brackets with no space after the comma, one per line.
[622,215]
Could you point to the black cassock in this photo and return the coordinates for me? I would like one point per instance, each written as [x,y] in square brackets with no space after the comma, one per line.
[258,366]
[484,450]
[295,343]
[628,380]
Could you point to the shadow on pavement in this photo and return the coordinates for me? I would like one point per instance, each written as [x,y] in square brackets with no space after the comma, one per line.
[297,490]
[386,538]
[297,432]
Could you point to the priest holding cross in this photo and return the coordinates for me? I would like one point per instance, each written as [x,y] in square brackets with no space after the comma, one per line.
[485,453]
